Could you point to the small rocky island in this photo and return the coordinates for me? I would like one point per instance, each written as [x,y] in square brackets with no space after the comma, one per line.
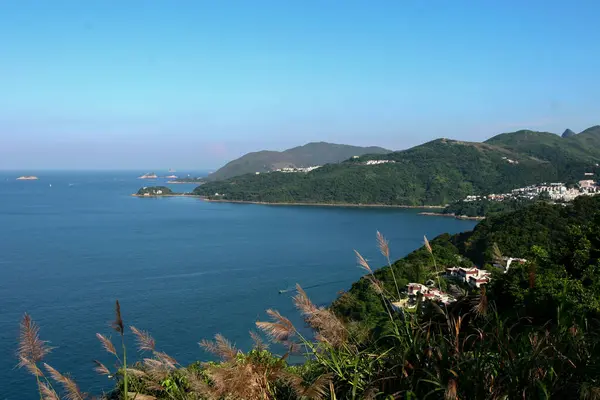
[150,175]
[28,178]
[154,191]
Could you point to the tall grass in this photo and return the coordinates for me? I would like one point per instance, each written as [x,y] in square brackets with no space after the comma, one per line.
[467,350]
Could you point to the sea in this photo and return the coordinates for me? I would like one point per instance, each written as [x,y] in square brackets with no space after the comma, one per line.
[72,243]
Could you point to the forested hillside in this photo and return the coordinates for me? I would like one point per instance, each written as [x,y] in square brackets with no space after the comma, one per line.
[435,173]
[564,239]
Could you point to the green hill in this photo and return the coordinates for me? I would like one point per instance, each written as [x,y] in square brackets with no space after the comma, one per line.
[318,153]
[434,173]
[558,231]
[568,133]
[569,156]
[154,191]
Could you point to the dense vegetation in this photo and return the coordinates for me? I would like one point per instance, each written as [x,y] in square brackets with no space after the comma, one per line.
[564,239]
[436,173]
[568,157]
[302,156]
[154,191]
[532,334]
[484,207]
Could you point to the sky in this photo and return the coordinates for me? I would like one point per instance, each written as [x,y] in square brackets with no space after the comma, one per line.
[103,84]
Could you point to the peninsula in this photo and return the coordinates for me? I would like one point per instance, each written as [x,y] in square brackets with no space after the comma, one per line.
[155,191]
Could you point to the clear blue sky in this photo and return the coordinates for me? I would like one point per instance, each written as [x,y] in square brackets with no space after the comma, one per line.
[191,84]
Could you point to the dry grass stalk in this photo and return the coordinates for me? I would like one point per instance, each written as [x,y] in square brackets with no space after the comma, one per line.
[259,344]
[238,380]
[362,262]
[139,396]
[375,284]
[31,347]
[384,248]
[280,330]
[245,378]
[152,363]
[427,245]
[156,370]
[118,322]
[197,385]
[166,359]
[71,388]
[145,342]
[46,392]
[101,368]
[451,390]
[480,307]
[318,389]
[138,373]
[456,327]
[328,327]
[383,245]
[30,366]
[221,347]
[107,344]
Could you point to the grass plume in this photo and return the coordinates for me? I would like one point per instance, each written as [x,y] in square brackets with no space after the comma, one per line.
[145,342]
[279,329]
[221,347]
[31,348]
[107,344]
[72,391]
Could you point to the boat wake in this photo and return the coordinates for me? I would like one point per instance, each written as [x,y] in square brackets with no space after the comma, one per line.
[293,289]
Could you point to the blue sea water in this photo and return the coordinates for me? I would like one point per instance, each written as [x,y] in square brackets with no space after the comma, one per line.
[72,243]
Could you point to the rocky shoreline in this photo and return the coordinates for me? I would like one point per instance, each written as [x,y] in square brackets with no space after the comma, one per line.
[434,214]
[166,195]
[266,203]
[326,204]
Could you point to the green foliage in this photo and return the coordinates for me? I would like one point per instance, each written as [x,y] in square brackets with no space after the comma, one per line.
[484,207]
[154,191]
[435,173]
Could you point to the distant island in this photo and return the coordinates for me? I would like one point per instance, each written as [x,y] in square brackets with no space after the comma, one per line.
[27,178]
[155,191]
[150,175]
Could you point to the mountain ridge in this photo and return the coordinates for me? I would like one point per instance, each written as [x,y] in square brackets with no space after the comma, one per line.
[309,154]
[431,174]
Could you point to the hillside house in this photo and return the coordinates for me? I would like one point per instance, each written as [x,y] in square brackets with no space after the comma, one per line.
[475,277]
[428,293]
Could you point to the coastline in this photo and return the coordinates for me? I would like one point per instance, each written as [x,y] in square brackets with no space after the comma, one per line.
[434,214]
[326,204]
[266,203]
[176,182]
[166,195]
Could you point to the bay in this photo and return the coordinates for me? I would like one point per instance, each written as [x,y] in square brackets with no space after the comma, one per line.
[71,243]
